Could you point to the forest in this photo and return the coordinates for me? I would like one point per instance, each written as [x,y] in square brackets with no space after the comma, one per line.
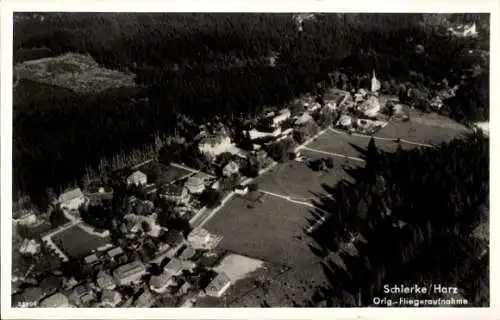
[416,211]
[203,65]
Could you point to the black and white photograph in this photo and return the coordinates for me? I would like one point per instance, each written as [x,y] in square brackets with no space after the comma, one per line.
[248,160]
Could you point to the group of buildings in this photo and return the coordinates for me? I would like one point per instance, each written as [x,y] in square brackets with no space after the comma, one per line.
[111,271]
[362,110]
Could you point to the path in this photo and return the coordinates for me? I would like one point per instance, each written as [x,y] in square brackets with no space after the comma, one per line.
[383,139]
[290,199]
[334,154]
[48,240]
[181,166]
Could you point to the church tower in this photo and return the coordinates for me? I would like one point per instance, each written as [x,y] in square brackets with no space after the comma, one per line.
[375,83]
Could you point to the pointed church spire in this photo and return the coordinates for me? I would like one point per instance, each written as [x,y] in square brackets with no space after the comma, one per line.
[375,83]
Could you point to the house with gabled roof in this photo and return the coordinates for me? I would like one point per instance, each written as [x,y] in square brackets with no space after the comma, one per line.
[72,199]
[218,286]
[137,178]
[175,193]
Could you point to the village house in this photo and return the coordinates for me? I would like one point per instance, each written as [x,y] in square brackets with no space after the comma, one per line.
[160,283]
[187,253]
[303,119]
[345,121]
[215,144]
[105,281]
[314,107]
[255,134]
[282,116]
[195,184]
[175,193]
[467,30]
[110,298]
[115,253]
[25,217]
[199,237]
[145,300]
[137,178]
[230,169]
[370,107]
[72,200]
[81,294]
[241,190]
[31,247]
[331,105]
[184,289]
[175,266]
[218,286]
[57,300]
[130,273]
[436,103]
[91,259]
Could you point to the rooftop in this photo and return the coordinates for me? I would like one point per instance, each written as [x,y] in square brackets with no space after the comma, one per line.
[70,195]
[129,268]
[57,300]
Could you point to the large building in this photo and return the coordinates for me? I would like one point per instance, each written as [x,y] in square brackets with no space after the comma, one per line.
[137,178]
[370,107]
[282,116]
[218,286]
[105,281]
[175,193]
[72,200]
[129,273]
[195,184]
[215,144]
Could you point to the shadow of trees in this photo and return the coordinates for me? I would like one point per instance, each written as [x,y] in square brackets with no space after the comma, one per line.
[406,219]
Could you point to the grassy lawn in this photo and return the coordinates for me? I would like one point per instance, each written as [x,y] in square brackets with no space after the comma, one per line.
[272,231]
[351,145]
[297,180]
[424,128]
[77,243]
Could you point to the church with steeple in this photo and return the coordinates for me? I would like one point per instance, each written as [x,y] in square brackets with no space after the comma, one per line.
[375,83]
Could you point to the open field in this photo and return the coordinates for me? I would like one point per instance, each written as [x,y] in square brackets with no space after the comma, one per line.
[424,128]
[76,72]
[297,180]
[351,145]
[77,243]
[272,231]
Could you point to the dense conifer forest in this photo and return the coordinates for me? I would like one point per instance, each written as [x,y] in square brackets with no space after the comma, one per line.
[202,65]
[416,211]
